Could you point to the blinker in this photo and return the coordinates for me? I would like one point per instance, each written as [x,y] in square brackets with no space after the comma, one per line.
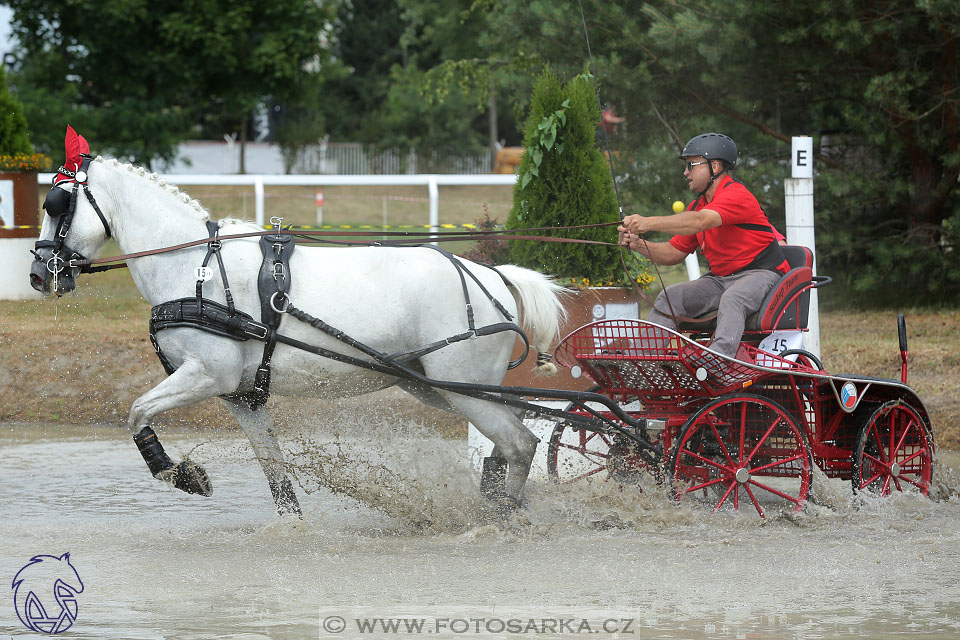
[57,202]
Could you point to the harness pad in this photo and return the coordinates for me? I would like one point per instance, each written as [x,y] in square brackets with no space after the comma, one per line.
[274,274]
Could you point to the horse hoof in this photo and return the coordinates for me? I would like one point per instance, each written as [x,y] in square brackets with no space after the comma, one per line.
[290,510]
[191,478]
[493,478]
[506,506]
[285,498]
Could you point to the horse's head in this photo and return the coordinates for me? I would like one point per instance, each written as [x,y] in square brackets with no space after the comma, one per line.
[73,228]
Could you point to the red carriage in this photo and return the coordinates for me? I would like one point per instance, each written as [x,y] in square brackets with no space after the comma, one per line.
[741,433]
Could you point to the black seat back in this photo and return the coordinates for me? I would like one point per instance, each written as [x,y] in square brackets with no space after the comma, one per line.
[782,308]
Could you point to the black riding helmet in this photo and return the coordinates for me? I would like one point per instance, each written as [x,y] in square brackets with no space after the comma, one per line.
[712,146]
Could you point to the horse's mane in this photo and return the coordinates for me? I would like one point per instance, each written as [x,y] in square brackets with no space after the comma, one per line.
[193,204]
[223,222]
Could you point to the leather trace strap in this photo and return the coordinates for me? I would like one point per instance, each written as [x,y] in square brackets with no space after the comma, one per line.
[273,286]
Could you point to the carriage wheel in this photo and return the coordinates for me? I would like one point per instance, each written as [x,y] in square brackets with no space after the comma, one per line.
[804,357]
[742,451]
[894,452]
[576,454]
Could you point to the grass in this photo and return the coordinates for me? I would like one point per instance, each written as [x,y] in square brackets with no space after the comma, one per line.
[378,206]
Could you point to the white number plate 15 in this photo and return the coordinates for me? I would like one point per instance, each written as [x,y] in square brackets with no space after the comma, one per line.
[778,342]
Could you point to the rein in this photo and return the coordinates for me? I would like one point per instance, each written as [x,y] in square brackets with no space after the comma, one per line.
[406,237]
[616,189]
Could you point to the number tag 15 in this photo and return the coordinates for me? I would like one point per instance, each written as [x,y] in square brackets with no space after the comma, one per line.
[778,342]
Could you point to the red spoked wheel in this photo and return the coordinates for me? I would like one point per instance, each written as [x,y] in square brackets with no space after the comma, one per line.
[742,452]
[575,454]
[894,452]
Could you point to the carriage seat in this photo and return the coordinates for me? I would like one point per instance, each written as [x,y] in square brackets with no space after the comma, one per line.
[782,308]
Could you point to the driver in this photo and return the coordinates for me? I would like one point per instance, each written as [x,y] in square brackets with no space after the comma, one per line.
[727,223]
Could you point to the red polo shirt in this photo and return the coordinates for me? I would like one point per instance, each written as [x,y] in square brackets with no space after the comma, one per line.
[743,235]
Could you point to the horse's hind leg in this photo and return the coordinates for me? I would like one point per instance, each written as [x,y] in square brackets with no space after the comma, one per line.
[256,424]
[512,442]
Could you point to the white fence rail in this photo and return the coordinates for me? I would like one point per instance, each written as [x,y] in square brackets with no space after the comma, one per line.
[431,181]
[349,158]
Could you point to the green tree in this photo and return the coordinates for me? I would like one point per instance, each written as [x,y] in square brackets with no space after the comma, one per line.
[564,181]
[14,137]
[876,83]
[140,76]
[388,94]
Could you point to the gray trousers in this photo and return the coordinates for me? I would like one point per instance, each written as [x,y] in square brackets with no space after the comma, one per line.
[733,297]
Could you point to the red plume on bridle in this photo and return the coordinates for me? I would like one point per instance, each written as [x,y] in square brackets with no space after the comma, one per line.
[74,145]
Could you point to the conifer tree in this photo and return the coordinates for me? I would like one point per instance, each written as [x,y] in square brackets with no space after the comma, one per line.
[564,180]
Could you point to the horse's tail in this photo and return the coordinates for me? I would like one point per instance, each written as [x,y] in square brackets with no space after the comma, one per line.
[540,302]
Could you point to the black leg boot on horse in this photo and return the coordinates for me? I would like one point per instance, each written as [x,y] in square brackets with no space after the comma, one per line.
[182,388]
[186,476]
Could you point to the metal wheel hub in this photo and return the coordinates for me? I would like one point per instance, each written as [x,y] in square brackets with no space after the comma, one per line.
[743,475]
[895,470]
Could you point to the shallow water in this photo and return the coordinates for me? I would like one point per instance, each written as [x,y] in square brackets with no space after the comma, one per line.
[157,563]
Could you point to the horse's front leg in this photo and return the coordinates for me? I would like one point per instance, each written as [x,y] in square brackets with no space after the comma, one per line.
[190,383]
[256,424]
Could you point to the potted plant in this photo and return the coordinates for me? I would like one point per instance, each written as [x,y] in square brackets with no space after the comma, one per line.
[18,169]
[564,181]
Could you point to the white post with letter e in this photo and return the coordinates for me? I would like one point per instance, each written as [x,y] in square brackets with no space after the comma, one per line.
[798,191]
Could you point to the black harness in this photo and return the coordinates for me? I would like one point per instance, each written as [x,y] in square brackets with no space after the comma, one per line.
[61,206]
[224,320]
[273,285]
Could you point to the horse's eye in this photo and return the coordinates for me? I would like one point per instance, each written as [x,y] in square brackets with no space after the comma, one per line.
[57,202]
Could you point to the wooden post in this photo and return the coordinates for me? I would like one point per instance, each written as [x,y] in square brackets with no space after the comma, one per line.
[798,192]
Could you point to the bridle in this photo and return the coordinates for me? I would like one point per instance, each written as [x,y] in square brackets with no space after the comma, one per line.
[62,206]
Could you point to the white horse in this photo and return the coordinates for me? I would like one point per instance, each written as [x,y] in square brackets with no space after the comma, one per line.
[393,299]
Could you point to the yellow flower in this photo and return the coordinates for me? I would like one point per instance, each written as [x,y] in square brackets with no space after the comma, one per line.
[24,162]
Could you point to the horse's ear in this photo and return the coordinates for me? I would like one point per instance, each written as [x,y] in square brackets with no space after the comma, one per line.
[65,556]
[75,145]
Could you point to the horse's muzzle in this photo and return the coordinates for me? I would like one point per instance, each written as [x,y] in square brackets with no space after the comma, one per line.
[42,271]
[36,281]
